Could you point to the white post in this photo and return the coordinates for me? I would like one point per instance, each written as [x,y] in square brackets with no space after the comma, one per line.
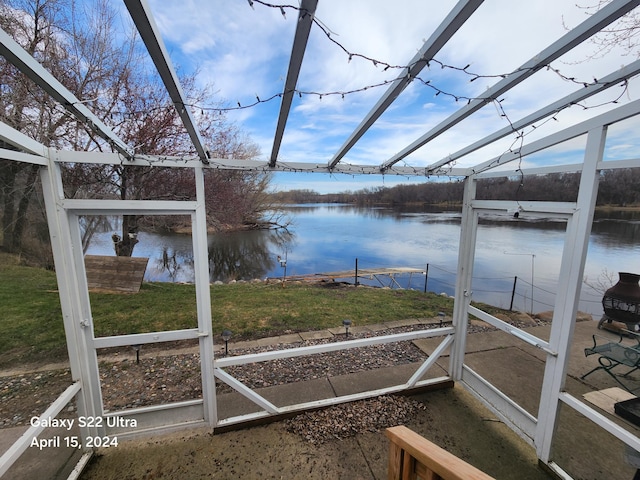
[203,299]
[466,253]
[568,296]
[74,296]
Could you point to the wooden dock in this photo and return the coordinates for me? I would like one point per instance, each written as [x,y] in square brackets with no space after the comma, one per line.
[367,273]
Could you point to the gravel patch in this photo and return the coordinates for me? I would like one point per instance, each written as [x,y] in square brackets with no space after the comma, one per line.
[172,378]
[28,395]
[349,419]
[161,378]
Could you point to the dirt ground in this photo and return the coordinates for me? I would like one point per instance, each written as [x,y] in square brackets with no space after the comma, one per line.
[452,419]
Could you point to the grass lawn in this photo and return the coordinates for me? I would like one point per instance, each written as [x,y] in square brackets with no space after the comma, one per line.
[31,328]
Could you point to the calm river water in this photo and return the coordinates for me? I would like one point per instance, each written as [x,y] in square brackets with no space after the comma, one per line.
[329,238]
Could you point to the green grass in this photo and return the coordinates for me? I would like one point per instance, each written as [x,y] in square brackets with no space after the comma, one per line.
[251,309]
[31,328]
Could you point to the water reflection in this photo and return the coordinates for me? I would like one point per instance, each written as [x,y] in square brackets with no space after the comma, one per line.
[329,238]
[173,266]
[170,257]
[245,255]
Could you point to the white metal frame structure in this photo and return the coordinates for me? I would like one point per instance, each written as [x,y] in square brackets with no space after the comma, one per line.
[63,214]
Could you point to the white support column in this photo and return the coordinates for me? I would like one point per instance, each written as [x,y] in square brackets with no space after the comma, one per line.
[466,253]
[203,299]
[74,297]
[568,295]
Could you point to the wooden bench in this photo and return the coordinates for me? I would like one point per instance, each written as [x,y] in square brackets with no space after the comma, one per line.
[614,354]
[413,457]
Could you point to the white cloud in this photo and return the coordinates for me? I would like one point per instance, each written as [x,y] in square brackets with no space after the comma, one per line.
[244,52]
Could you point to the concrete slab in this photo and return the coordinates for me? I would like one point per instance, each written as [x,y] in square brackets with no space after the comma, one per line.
[607,398]
[403,323]
[379,378]
[243,345]
[316,335]
[235,404]
[475,342]
[8,437]
[522,381]
[280,340]
[379,327]
[55,460]
[453,420]
[300,392]
[288,339]
[352,329]
[263,342]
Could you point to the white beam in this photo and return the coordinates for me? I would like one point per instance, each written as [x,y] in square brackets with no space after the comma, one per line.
[203,299]
[246,391]
[331,347]
[574,167]
[512,414]
[106,158]
[24,62]
[571,39]
[568,168]
[568,295]
[313,405]
[464,277]
[604,83]
[103,158]
[131,207]
[433,358]
[14,452]
[544,208]
[145,338]
[74,296]
[602,421]
[619,164]
[21,141]
[22,157]
[349,169]
[305,21]
[143,19]
[510,329]
[607,118]
[447,28]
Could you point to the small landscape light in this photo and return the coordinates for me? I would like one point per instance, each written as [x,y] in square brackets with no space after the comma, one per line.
[441,317]
[347,323]
[226,335]
[137,349]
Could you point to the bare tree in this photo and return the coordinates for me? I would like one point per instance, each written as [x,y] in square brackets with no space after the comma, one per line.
[623,33]
[83,45]
[26,108]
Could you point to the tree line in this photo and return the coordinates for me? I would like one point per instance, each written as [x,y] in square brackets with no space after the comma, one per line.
[84,45]
[616,188]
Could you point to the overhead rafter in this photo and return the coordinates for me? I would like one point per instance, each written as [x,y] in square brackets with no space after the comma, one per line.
[24,62]
[450,25]
[305,21]
[21,141]
[141,15]
[574,37]
[616,115]
[604,83]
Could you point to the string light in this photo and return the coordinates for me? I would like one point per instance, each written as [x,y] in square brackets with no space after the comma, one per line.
[387,66]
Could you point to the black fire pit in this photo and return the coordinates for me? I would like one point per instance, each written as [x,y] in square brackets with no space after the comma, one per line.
[621,303]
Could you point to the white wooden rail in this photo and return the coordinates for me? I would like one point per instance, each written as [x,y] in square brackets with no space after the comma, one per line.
[412,456]
[24,442]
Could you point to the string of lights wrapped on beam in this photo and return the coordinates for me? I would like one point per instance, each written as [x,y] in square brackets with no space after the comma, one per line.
[520,132]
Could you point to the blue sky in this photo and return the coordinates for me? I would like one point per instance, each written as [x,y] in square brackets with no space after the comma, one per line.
[243,52]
